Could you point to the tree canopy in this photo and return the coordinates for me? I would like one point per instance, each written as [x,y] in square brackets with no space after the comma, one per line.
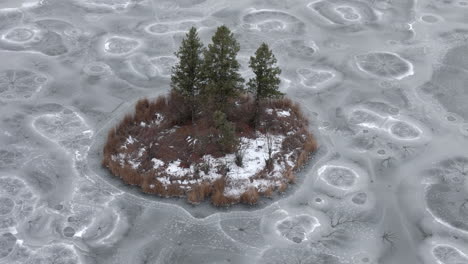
[221,68]
[186,76]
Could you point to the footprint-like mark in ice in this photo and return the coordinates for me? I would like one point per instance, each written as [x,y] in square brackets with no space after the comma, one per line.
[405,131]
[17,84]
[365,118]
[297,48]
[338,176]
[315,78]
[67,129]
[16,201]
[96,68]
[348,13]
[447,199]
[14,156]
[162,28]
[117,5]
[359,198]
[296,228]
[344,12]
[97,226]
[6,205]
[51,44]
[43,36]
[164,64]
[7,244]
[448,254]
[384,65]
[118,45]
[21,35]
[272,21]
[142,66]
[55,254]
[429,18]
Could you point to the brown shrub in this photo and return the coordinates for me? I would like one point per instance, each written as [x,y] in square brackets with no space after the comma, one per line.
[217,195]
[268,192]
[142,113]
[289,175]
[250,196]
[283,187]
[199,193]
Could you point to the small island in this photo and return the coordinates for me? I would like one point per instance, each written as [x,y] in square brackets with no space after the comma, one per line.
[212,137]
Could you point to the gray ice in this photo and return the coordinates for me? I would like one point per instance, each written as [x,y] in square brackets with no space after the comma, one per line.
[384,84]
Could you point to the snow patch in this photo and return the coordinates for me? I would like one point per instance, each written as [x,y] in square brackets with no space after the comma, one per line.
[283,113]
[157,163]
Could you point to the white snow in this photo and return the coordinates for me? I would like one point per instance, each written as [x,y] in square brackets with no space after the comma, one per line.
[283,113]
[174,169]
[159,119]
[157,163]
[134,164]
[130,140]
[238,178]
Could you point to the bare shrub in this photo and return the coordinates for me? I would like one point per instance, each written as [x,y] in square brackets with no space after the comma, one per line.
[199,193]
[250,197]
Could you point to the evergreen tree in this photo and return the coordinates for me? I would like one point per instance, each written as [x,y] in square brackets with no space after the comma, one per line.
[227,131]
[222,80]
[186,76]
[266,82]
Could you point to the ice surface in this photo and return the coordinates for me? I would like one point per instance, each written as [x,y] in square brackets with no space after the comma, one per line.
[384,84]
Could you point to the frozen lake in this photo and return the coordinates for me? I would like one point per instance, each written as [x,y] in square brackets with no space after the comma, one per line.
[384,83]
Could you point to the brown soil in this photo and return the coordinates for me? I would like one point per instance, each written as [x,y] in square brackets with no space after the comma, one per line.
[164,131]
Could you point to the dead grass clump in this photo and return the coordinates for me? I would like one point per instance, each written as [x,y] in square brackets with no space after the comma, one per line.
[217,196]
[289,175]
[282,188]
[199,193]
[250,197]
[268,192]
[142,113]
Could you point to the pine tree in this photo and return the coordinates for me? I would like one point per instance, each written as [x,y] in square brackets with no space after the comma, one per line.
[222,80]
[186,76]
[227,131]
[266,82]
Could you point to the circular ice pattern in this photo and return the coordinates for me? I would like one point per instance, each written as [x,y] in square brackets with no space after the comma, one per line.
[384,65]
[404,130]
[338,176]
[269,21]
[449,255]
[96,68]
[6,205]
[359,198]
[20,84]
[312,78]
[19,35]
[296,228]
[7,244]
[344,12]
[120,45]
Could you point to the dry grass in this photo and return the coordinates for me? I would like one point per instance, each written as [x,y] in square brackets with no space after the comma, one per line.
[250,197]
[168,141]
